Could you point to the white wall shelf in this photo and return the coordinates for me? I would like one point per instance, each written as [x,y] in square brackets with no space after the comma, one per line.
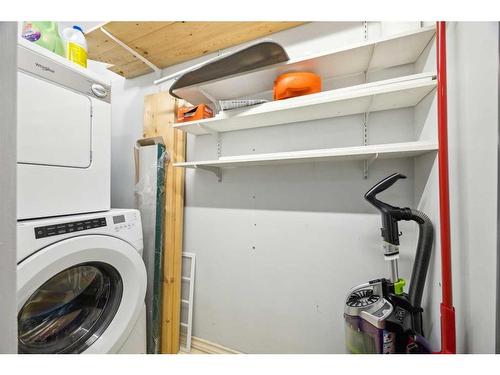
[361,57]
[370,153]
[395,93]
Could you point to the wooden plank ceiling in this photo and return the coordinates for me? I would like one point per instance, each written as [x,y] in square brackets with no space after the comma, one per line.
[170,43]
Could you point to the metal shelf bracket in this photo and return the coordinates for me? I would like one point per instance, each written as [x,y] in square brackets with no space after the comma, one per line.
[215,170]
[367,165]
[208,129]
[372,159]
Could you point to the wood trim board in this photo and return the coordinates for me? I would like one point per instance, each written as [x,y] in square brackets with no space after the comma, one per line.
[169,43]
[201,346]
[159,116]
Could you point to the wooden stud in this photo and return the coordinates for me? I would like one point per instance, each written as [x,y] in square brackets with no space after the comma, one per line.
[159,116]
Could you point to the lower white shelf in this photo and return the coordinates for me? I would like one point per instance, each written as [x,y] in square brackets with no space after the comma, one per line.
[383,151]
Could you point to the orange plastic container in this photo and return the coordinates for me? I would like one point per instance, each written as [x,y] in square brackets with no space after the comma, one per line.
[293,84]
[198,112]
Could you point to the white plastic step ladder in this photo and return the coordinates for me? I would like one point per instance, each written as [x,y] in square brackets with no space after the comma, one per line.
[187,294]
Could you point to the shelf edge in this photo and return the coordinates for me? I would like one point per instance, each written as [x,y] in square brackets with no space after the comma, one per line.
[340,152]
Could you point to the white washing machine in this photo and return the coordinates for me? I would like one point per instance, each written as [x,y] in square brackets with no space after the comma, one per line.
[63,136]
[81,284]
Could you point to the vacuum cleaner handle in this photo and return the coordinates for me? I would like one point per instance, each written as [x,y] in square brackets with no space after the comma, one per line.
[390,214]
[381,186]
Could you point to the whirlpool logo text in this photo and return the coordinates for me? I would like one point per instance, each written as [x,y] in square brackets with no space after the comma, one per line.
[44,68]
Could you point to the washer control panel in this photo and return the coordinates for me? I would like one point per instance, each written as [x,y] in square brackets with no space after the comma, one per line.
[124,222]
[75,226]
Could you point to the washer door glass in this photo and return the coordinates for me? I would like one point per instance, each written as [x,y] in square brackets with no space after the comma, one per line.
[71,310]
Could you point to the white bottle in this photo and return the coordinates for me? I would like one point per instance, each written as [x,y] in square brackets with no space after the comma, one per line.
[75,45]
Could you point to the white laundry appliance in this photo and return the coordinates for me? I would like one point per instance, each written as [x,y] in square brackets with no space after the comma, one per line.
[81,284]
[63,136]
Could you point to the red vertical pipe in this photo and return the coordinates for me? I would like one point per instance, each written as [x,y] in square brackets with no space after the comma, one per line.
[448,335]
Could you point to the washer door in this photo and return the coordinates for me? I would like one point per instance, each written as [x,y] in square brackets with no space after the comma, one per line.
[82,294]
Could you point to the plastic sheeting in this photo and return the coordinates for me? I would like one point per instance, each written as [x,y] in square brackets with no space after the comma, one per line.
[151,160]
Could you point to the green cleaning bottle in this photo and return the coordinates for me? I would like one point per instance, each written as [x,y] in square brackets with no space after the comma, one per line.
[45,34]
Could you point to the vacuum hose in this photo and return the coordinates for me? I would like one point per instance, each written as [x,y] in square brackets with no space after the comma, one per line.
[390,233]
[422,257]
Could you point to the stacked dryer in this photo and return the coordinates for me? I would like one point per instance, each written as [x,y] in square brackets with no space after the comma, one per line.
[81,279]
[63,137]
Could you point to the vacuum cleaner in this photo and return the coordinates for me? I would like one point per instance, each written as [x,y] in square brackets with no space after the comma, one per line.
[380,317]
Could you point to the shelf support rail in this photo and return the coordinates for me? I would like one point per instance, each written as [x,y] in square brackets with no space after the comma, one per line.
[366,164]
[217,171]
[215,134]
[371,52]
[131,50]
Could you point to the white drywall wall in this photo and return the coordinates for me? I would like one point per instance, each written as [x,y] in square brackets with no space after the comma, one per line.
[278,247]
[8,102]
[473,136]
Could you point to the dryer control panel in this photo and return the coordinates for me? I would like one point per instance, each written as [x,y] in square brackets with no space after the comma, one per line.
[74,226]
[33,60]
